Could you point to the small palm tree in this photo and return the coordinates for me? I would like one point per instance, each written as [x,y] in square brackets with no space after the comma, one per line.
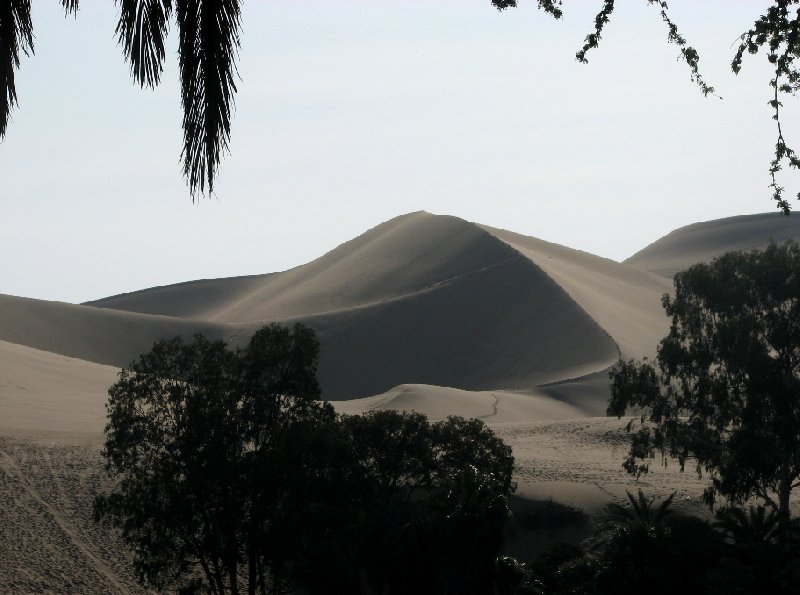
[756,525]
[766,548]
[639,514]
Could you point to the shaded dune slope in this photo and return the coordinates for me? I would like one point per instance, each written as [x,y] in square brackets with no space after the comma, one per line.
[623,300]
[200,299]
[701,242]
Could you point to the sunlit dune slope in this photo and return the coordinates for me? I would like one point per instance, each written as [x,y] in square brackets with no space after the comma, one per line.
[701,242]
[44,391]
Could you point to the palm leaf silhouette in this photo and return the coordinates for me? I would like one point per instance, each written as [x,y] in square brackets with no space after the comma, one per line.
[640,512]
[209,41]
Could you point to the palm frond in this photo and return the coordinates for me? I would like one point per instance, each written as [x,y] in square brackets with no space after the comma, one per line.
[70,6]
[639,512]
[208,48]
[754,525]
[142,31]
[16,35]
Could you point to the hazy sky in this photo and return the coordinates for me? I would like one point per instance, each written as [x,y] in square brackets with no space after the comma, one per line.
[352,112]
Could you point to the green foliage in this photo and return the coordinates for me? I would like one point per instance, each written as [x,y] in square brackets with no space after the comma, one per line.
[726,384]
[513,578]
[777,30]
[208,45]
[640,514]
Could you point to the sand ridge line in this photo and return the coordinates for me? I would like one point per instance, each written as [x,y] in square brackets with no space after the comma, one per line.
[9,466]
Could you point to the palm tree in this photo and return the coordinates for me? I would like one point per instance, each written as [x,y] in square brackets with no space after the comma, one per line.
[756,525]
[764,547]
[207,51]
[640,514]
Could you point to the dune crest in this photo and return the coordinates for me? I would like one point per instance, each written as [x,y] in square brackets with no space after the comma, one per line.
[701,242]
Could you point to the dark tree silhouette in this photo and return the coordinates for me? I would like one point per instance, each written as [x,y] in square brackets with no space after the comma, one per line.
[209,42]
[725,389]
[436,504]
[644,547]
[193,432]
[227,466]
[173,440]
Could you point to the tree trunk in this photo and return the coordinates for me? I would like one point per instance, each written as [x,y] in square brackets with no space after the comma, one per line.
[262,581]
[218,575]
[252,575]
[209,576]
[234,578]
[784,491]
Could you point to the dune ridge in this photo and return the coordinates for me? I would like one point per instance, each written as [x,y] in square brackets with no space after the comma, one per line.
[701,242]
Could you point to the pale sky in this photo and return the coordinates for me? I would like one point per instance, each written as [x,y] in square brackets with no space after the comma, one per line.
[352,112]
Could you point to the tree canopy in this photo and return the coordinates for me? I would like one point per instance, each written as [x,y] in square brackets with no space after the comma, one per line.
[209,41]
[725,387]
[225,465]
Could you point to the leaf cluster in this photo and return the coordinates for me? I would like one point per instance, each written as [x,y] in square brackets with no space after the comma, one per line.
[725,389]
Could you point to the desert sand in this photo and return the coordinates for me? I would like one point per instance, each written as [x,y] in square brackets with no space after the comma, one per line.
[425,313]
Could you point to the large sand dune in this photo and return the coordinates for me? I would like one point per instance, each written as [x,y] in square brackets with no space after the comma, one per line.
[419,299]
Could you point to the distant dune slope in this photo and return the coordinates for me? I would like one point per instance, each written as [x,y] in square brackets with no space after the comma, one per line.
[623,300]
[701,242]
[102,336]
[200,299]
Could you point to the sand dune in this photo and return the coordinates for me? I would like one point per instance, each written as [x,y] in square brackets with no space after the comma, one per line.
[419,299]
[46,392]
[701,242]
[399,257]
[439,402]
[109,337]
